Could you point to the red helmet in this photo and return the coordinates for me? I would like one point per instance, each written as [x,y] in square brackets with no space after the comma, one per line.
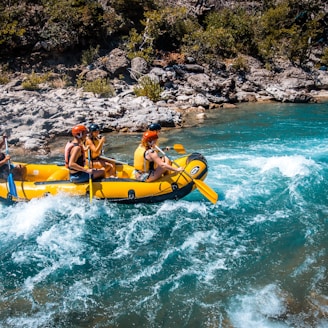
[149,136]
[78,130]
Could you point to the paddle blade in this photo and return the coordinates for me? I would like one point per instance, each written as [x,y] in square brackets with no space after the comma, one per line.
[206,191]
[179,148]
[12,186]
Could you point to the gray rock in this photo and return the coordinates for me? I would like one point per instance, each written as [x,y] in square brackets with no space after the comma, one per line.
[33,117]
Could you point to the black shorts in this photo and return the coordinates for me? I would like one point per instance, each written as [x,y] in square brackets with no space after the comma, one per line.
[79,177]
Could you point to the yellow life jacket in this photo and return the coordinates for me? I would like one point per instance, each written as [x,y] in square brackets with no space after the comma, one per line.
[140,163]
[96,143]
[94,155]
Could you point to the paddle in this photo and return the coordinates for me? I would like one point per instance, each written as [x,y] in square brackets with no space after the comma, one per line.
[113,160]
[203,188]
[11,182]
[90,176]
[179,148]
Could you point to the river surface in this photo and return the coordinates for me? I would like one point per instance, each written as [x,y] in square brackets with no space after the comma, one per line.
[258,258]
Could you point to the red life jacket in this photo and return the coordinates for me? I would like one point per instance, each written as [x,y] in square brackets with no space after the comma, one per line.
[68,148]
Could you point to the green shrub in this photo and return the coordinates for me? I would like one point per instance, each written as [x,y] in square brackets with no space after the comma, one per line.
[90,55]
[100,87]
[240,64]
[238,24]
[4,79]
[33,81]
[324,58]
[148,88]
[289,30]
[210,44]
[10,24]
[137,48]
[4,74]
[163,29]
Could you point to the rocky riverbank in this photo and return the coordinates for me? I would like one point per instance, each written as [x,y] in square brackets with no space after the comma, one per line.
[32,118]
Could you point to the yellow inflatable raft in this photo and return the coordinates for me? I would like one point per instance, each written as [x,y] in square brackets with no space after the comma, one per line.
[50,179]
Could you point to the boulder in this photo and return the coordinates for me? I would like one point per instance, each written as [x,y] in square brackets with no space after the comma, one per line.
[116,62]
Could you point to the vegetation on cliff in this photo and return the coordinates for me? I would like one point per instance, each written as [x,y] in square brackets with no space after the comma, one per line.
[205,30]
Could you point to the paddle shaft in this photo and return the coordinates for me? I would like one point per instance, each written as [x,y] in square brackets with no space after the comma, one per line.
[90,177]
[11,182]
[112,160]
[177,147]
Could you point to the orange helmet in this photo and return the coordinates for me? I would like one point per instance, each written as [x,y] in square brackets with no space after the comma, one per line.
[78,130]
[149,136]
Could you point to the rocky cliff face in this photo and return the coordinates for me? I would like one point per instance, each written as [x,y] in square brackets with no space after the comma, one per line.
[32,118]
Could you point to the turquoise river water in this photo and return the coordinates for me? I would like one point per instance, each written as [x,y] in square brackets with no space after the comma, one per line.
[258,258]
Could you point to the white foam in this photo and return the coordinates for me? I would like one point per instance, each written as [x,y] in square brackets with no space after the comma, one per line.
[25,218]
[269,217]
[197,238]
[58,244]
[21,220]
[259,308]
[288,166]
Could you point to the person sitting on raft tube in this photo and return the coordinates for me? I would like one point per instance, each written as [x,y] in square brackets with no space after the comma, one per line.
[18,170]
[95,143]
[4,169]
[75,157]
[148,165]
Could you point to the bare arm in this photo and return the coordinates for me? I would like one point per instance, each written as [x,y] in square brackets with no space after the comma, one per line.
[5,160]
[96,151]
[75,154]
[159,161]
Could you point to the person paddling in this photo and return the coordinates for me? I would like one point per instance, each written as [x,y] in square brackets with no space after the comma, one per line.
[75,157]
[95,143]
[4,170]
[148,165]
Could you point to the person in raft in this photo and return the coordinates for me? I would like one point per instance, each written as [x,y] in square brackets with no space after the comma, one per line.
[95,143]
[18,170]
[4,169]
[75,157]
[157,128]
[148,165]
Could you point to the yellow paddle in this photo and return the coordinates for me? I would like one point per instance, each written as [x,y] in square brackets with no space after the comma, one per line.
[112,160]
[179,148]
[203,188]
[90,176]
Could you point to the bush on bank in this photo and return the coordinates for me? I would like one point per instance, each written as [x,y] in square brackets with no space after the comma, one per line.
[291,29]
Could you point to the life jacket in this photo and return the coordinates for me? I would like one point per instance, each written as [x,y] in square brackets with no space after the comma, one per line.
[68,148]
[140,162]
[93,154]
